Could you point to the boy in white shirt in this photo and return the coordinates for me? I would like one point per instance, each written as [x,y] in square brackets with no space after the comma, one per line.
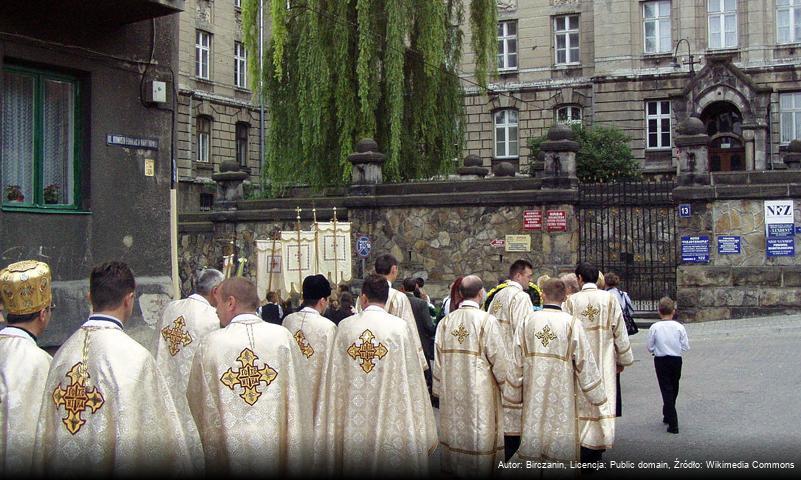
[667,339]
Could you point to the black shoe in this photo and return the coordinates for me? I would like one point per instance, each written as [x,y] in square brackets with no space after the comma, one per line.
[673,429]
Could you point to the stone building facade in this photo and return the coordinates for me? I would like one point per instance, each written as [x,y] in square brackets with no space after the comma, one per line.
[217,117]
[611,62]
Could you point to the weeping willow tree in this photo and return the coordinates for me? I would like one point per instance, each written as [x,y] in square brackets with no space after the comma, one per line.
[337,71]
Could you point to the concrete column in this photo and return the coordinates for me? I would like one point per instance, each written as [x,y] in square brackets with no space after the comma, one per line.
[367,163]
[560,158]
[692,147]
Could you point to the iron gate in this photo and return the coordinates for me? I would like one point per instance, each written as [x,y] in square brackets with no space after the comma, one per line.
[630,228]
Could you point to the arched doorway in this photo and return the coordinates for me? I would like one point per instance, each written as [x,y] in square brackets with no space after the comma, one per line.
[724,125]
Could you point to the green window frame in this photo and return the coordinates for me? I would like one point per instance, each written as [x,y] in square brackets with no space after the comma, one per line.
[51,187]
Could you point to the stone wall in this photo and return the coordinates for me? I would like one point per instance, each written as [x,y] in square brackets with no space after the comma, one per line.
[748,284]
[437,230]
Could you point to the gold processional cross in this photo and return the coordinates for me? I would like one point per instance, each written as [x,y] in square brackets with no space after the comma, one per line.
[76,398]
[546,335]
[175,336]
[460,333]
[249,377]
[305,348]
[591,313]
[366,352]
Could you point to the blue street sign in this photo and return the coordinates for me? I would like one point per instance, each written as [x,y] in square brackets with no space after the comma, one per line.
[695,249]
[728,245]
[685,210]
[781,247]
[363,246]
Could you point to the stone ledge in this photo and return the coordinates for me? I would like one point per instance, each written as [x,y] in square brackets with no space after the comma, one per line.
[792,276]
[697,276]
[763,276]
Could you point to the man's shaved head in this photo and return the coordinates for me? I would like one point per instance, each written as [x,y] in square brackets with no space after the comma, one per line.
[471,287]
[243,290]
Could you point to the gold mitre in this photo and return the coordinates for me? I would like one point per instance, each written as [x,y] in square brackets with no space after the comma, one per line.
[25,287]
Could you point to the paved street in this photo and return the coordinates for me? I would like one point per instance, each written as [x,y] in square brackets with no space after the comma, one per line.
[739,400]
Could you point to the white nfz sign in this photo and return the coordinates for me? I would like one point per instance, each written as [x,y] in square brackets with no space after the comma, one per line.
[778,211]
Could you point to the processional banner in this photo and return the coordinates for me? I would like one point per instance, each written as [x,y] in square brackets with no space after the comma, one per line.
[298,258]
[334,251]
[269,268]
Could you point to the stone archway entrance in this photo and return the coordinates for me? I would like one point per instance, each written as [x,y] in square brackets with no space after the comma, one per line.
[724,125]
[734,107]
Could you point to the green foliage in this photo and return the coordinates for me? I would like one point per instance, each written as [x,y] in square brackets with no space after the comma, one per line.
[341,70]
[604,154]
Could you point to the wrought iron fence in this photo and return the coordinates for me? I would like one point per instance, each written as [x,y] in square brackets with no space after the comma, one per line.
[630,228]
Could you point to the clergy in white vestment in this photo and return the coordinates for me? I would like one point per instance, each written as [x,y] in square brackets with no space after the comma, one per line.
[182,326]
[398,304]
[106,409]
[25,292]
[375,415]
[510,306]
[313,333]
[600,313]
[249,394]
[470,366]
[552,366]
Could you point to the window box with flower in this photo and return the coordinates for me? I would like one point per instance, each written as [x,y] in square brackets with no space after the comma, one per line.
[13,193]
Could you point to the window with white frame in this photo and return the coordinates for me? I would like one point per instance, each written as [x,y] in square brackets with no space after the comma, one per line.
[722,23]
[656,26]
[790,116]
[203,129]
[240,65]
[507,45]
[202,50]
[657,117]
[566,39]
[788,21]
[568,115]
[506,143]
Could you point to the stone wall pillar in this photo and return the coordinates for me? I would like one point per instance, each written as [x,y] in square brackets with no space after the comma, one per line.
[367,163]
[692,147]
[473,168]
[560,158]
[229,185]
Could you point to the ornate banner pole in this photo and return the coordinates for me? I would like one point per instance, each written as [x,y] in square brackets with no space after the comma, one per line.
[336,253]
[297,228]
[316,243]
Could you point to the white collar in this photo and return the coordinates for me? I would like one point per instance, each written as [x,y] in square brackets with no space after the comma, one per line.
[374,308]
[16,332]
[246,318]
[199,298]
[103,321]
[309,310]
[589,286]
[514,284]
[468,303]
[390,284]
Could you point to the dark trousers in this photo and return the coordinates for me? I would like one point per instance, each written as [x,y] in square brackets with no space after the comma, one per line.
[668,373]
[511,443]
[589,455]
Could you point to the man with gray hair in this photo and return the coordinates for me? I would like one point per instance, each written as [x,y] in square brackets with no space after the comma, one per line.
[183,324]
[470,365]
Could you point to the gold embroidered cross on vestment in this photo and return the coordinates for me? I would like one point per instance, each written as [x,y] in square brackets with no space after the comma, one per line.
[175,336]
[460,333]
[305,348]
[496,308]
[249,377]
[591,313]
[76,398]
[367,351]
[545,335]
